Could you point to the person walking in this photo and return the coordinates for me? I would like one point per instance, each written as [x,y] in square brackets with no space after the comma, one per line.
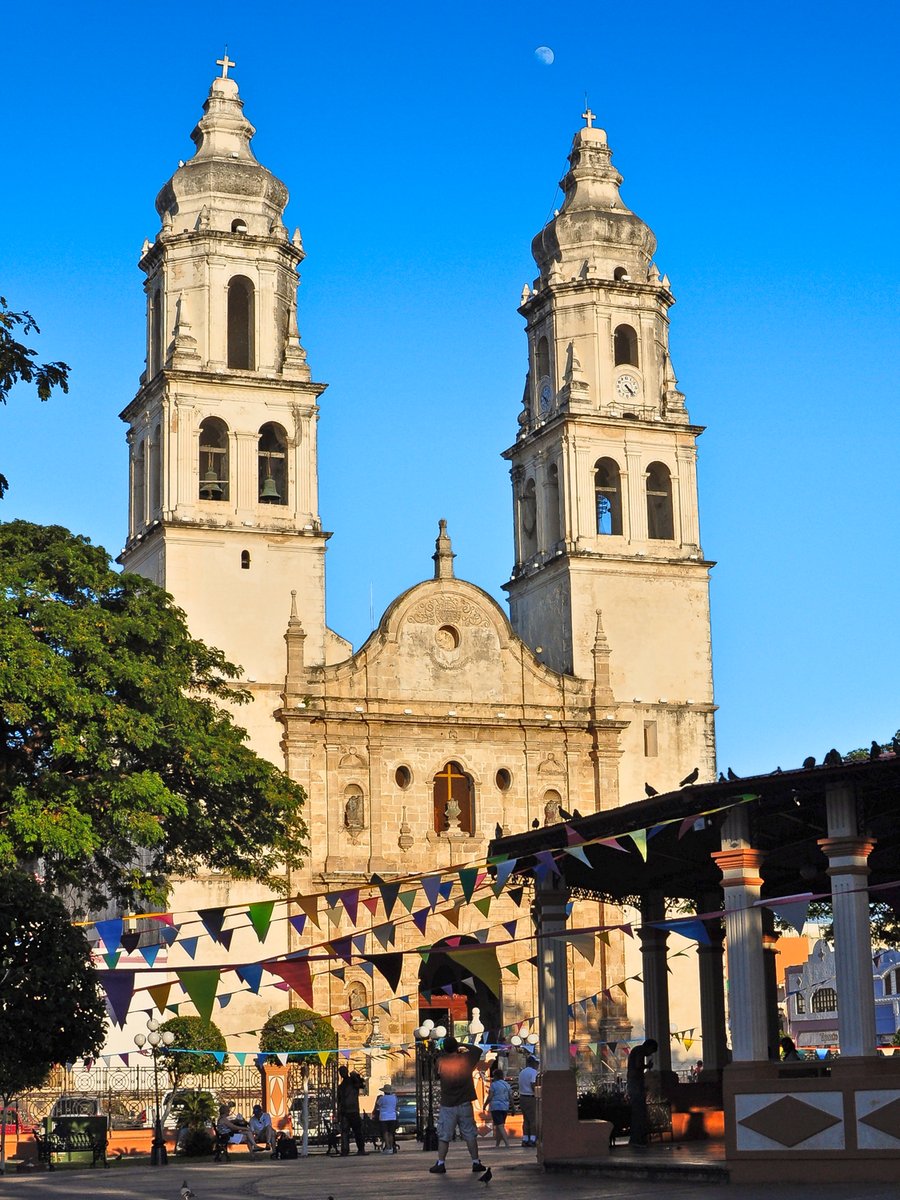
[454,1066]
[640,1060]
[386,1113]
[351,1084]
[528,1100]
[498,1102]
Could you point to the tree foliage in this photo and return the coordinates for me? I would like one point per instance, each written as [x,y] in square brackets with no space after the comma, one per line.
[119,765]
[53,1010]
[305,1030]
[191,1033]
[18,365]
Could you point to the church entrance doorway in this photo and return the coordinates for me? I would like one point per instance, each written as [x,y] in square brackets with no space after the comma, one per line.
[450,990]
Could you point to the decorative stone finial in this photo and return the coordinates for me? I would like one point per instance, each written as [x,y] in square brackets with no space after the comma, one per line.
[602,691]
[443,553]
[183,347]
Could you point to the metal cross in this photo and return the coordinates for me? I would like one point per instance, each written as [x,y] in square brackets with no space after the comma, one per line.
[589,117]
[225,63]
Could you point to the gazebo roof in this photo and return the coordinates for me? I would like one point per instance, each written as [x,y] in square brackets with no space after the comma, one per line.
[787,817]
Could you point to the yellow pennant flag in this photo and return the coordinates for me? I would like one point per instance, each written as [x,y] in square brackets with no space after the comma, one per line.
[324,1056]
[688,1042]
[639,837]
[160,995]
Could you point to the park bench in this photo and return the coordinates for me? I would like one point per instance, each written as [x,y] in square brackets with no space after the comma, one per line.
[71,1142]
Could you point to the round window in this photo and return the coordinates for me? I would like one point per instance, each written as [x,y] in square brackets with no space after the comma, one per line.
[503,779]
[403,777]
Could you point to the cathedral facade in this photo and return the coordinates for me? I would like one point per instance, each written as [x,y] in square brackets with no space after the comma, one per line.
[452,721]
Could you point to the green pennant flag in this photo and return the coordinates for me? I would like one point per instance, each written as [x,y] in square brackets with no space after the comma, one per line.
[112,959]
[484,905]
[407,899]
[467,878]
[201,987]
[481,963]
[513,969]
[173,1008]
[260,914]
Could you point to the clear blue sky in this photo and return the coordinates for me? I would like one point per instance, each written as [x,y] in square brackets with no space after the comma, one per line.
[422,146]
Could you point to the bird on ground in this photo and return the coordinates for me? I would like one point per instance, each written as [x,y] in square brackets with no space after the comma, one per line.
[486,1177]
[692,778]
[651,791]
[833,758]
[722,777]
[498,830]
[731,775]
[809,763]
[874,751]
[186,1193]
[535,824]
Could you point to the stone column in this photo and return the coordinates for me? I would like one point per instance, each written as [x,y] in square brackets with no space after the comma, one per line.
[741,883]
[770,972]
[848,870]
[654,969]
[553,983]
[712,992]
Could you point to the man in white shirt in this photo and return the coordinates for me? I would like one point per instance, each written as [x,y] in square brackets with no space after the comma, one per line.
[528,1101]
[261,1127]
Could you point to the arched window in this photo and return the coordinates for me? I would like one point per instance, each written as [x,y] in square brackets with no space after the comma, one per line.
[625,346]
[238,225]
[453,800]
[799,1003]
[552,804]
[608,493]
[213,459]
[660,525]
[241,320]
[824,1000]
[245,560]
[156,472]
[154,356]
[554,515]
[272,456]
[528,512]
[620,275]
[354,809]
[542,359]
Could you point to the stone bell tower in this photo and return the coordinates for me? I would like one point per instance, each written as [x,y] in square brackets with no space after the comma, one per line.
[604,478]
[223,508]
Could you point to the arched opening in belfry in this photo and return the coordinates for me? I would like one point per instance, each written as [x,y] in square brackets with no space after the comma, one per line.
[241,318]
[608,494]
[213,459]
[625,345]
[454,800]
[660,520]
[272,464]
[459,976]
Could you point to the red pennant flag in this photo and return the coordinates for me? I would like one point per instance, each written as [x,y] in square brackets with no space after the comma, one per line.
[296,974]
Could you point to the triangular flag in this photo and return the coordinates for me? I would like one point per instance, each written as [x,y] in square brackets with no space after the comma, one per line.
[225,938]
[431,886]
[573,837]
[350,901]
[695,930]
[612,842]
[119,988]
[240,1057]
[112,959]
[504,870]
[384,934]
[334,916]
[585,944]
[339,973]
[163,918]
[299,923]
[359,942]
[201,987]
[347,1015]
[149,953]
[513,969]
[213,919]
[688,1042]
[389,894]
[260,914]
[159,994]
[310,905]
[639,837]
[792,914]
[515,894]
[189,946]
[510,927]
[124,1058]
[224,1001]
[296,973]
[251,975]
[446,888]
[130,941]
[371,903]
[407,899]
[452,915]
[169,934]
[579,853]
[343,948]
[484,905]
[481,935]
[420,919]
[111,933]
[323,1056]
[482,963]
[467,879]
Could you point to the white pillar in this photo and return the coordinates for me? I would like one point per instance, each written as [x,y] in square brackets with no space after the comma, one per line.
[741,883]
[848,869]
[553,983]
[655,971]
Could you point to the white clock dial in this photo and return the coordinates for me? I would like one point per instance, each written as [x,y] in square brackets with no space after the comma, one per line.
[627,387]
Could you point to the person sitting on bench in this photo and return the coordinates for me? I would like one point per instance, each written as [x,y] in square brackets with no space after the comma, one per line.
[226,1124]
[261,1127]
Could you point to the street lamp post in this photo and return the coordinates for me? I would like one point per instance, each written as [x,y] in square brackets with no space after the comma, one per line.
[427,1037]
[154,1039]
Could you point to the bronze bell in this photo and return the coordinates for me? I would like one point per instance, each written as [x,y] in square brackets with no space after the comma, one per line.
[269,490]
[210,488]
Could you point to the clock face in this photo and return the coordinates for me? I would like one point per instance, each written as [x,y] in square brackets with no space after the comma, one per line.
[546,397]
[627,387]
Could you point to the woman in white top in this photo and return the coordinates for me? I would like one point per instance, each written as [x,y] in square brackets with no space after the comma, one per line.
[386,1112]
[499,1098]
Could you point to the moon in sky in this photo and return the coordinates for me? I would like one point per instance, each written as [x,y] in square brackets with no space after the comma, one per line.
[544,55]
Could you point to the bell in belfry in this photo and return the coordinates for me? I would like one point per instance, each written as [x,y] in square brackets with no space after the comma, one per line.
[269,492]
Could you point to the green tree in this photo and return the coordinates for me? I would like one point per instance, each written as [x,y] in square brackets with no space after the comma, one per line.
[195,1110]
[17,362]
[191,1033]
[119,765]
[297,1029]
[53,1010]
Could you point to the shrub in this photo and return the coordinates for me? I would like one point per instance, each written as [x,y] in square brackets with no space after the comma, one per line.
[297,1029]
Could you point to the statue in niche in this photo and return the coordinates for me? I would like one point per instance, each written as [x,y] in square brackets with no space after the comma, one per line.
[353,813]
[551,808]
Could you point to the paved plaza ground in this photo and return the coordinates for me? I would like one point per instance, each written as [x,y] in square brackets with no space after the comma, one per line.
[405,1177]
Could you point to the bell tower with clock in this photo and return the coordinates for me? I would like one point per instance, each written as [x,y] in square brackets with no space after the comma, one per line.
[604,478]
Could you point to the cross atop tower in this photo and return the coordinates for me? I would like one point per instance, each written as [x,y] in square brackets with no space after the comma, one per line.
[225,62]
[589,117]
